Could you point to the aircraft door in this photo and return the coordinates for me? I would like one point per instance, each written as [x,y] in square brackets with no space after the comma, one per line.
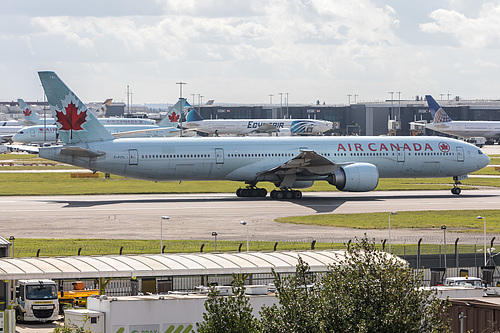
[219,156]
[401,155]
[133,157]
[460,154]
[32,132]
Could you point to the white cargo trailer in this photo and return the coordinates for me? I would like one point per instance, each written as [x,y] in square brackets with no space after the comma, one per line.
[155,313]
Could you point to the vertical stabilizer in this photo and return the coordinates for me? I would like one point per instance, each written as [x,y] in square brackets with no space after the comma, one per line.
[173,117]
[437,112]
[74,121]
[30,117]
[193,115]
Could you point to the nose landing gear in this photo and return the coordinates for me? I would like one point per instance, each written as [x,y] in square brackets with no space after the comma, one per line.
[456,190]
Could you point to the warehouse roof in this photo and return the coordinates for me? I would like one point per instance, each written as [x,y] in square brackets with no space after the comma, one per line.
[124,266]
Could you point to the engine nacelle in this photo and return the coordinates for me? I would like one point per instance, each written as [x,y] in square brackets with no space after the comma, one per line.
[298,184]
[303,184]
[356,177]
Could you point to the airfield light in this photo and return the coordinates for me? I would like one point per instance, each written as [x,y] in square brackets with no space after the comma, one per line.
[161,231]
[245,223]
[484,238]
[391,213]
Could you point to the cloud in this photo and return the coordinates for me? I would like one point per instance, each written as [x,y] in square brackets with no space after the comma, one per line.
[480,32]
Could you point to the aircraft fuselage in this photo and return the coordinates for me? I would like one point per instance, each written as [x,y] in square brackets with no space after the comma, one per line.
[244,159]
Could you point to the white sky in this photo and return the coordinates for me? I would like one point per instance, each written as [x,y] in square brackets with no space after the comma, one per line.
[240,51]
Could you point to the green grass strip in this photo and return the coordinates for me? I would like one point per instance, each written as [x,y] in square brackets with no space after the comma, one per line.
[455,220]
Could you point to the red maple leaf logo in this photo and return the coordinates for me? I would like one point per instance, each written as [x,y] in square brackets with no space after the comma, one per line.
[173,117]
[71,121]
[27,112]
[444,147]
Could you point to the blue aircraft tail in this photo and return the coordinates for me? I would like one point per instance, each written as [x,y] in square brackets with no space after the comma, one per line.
[437,112]
[193,116]
[74,121]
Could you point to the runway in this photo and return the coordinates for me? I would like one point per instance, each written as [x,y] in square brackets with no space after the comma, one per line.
[196,216]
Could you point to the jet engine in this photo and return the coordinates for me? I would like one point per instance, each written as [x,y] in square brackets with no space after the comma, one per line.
[356,177]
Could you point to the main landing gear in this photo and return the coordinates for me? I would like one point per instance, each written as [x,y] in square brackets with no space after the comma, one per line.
[255,192]
[251,191]
[456,190]
[286,194]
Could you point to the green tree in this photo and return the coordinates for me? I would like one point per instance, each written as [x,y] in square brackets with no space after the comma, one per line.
[365,291]
[231,314]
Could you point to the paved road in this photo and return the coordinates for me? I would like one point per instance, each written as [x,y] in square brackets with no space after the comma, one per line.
[196,216]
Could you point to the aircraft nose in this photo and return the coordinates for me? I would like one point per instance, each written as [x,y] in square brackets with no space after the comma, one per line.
[485,160]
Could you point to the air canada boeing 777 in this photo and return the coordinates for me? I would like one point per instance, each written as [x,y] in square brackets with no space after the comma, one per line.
[349,163]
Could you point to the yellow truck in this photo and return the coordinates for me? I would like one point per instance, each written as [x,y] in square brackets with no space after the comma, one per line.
[76,297]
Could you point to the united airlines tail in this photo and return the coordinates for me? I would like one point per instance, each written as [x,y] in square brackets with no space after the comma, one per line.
[30,117]
[75,123]
[437,112]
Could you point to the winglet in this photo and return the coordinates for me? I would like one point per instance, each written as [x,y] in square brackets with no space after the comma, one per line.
[74,121]
[30,117]
[437,112]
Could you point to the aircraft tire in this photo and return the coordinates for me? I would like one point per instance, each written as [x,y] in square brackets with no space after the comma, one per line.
[244,192]
[254,192]
[278,195]
[288,194]
[297,194]
[262,192]
[456,190]
[238,192]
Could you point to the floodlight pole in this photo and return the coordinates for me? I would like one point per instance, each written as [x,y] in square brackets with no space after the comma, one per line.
[391,213]
[484,237]
[245,223]
[215,236]
[444,242]
[161,232]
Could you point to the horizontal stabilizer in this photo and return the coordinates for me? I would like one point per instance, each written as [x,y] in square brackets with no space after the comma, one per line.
[171,131]
[80,152]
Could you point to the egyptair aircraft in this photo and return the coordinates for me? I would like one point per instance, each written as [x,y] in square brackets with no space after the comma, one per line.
[249,126]
[464,129]
[349,163]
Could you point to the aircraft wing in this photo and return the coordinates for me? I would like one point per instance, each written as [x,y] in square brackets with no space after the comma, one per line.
[266,128]
[308,162]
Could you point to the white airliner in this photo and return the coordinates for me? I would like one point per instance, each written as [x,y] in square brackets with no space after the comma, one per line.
[31,118]
[166,127]
[464,129]
[349,163]
[249,126]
